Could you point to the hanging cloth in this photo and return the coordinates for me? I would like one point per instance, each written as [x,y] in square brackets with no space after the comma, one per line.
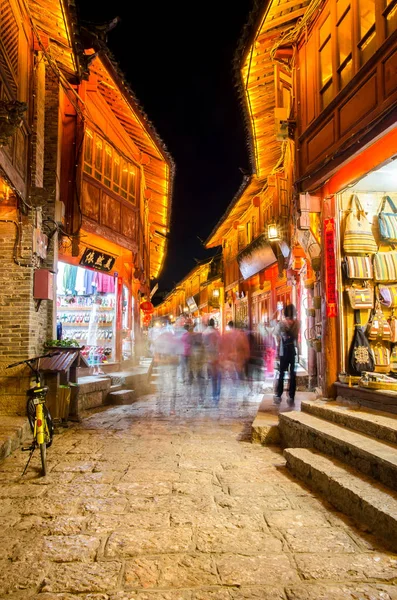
[69,279]
[90,279]
[80,287]
[105,283]
[60,278]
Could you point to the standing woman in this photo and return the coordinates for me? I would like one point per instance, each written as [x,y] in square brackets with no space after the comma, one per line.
[287,331]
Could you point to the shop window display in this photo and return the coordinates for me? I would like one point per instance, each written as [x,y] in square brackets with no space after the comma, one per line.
[370,295]
[86,308]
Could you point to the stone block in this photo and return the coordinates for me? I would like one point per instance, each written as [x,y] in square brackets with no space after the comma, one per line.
[370,456]
[348,490]
[121,397]
[382,426]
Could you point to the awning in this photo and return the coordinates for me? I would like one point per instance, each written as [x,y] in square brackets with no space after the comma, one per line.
[255,257]
[62,360]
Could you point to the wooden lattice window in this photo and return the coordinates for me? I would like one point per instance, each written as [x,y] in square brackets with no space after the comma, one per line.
[9,35]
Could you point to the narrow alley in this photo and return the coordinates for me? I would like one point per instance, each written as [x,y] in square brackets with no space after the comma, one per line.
[166,500]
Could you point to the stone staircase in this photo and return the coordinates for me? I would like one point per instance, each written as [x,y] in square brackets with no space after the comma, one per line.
[349,455]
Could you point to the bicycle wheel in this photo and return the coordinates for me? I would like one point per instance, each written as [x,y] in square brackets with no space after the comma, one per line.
[31,413]
[48,426]
[43,454]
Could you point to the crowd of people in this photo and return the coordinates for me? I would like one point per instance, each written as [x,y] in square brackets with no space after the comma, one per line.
[202,355]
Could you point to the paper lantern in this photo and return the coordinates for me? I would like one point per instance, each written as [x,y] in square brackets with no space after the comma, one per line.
[147,307]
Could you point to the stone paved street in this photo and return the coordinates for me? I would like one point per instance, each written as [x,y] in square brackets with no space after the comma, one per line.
[168,500]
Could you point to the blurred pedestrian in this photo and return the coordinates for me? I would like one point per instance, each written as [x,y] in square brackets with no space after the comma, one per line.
[211,340]
[235,352]
[197,361]
[186,340]
[287,332]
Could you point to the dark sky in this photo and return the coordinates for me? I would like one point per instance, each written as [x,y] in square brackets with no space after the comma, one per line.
[177,57]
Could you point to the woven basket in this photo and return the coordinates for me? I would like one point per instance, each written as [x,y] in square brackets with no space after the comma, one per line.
[379,385]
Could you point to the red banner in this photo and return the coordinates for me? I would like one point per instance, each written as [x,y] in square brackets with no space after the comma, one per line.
[330,267]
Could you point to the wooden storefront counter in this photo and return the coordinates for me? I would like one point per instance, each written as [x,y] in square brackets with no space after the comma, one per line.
[383,400]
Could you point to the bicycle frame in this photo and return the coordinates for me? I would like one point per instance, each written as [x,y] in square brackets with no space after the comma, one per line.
[39,432]
[42,427]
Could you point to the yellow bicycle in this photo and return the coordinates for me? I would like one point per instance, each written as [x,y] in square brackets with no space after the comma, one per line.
[38,414]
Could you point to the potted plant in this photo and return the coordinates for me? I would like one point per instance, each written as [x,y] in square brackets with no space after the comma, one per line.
[64,344]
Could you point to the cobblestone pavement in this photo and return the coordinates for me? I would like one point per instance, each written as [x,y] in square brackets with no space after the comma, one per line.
[168,500]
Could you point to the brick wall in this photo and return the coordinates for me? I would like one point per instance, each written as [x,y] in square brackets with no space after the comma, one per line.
[23,329]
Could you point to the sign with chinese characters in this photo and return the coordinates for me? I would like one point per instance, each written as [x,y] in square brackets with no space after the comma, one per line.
[97,260]
[330,265]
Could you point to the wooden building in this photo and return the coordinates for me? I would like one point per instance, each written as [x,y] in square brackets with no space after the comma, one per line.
[85,191]
[263,267]
[39,63]
[117,194]
[344,57]
[197,298]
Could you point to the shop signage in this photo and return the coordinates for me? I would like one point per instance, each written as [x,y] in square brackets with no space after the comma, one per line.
[330,266]
[255,257]
[191,304]
[97,260]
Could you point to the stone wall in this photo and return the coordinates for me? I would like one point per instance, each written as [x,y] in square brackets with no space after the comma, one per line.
[25,325]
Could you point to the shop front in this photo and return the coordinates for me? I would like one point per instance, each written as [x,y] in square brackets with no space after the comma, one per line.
[360,276]
[96,304]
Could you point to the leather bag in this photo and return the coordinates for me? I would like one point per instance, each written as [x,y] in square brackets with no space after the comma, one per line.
[358,238]
[387,219]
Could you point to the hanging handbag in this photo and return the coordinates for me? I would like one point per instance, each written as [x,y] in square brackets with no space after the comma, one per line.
[358,238]
[388,220]
[358,267]
[378,327]
[385,266]
[393,328]
[393,360]
[381,356]
[387,295]
[360,356]
[361,298]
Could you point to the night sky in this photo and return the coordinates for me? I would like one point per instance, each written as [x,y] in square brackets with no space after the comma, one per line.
[177,57]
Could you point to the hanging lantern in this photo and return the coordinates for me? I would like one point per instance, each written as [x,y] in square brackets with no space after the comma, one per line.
[146,320]
[147,307]
[256,201]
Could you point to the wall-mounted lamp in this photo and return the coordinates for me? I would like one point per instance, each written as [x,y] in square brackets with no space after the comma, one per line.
[215,293]
[273,233]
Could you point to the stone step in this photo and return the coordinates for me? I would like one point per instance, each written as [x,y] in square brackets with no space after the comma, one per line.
[372,457]
[354,494]
[381,426]
[13,432]
[116,387]
[122,397]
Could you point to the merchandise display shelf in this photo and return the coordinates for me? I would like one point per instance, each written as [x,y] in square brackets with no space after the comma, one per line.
[101,308]
[109,325]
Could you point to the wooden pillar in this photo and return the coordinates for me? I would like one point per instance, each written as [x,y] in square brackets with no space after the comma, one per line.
[330,316]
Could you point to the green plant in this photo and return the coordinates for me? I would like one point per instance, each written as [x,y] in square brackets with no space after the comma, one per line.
[66,342]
